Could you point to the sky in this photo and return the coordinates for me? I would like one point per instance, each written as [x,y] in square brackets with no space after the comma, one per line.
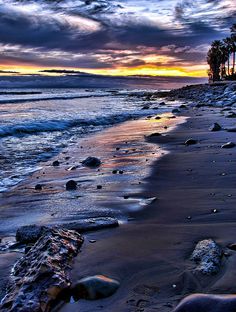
[111,37]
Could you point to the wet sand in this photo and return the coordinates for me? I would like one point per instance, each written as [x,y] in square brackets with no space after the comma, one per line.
[122,148]
[150,255]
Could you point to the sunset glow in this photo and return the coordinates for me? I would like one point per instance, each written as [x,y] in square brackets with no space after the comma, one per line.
[118,38]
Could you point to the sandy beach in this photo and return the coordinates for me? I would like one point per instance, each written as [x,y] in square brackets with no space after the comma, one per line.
[150,256]
[149,253]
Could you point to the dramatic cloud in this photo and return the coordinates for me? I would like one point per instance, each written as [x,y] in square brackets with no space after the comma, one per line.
[111,36]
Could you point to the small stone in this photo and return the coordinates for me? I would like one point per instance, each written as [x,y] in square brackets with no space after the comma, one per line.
[215,127]
[162,103]
[121,171]
[38,187]
[56,163]
[214,210]
[92,241]
[99,187]
[126,197]
[155,134]
[228,145]
[146,107]
[115,171]
[175,111]
[71,185]
[190,142]
[91,162]
[95,287]
[189,217]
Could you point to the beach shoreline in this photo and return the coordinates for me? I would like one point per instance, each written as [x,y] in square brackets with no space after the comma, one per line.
[150,255]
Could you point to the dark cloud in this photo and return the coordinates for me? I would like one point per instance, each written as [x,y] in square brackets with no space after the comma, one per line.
[55,34]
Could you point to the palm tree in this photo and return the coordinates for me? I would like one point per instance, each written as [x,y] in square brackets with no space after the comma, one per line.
[216,58]
[233,38]
[228,47]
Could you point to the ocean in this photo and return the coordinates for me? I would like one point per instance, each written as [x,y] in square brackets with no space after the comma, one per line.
[36,124]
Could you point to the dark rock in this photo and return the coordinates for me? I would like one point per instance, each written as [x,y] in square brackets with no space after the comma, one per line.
[231,130]
[91,162]
[38,187]
[231,115]
[71,185]
[56,163]
[162,103]
[207,255]
[99,187]
[146,107]
[175,111]
[90,224]
[155,134]
[207,303]
[95,287]
[40,277]
[30,233]
[228,145]
[114,171]
[215,127]
[191,142]
[121,171]
[232,246]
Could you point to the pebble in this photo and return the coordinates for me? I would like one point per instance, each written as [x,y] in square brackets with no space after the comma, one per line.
[71,185]
[56,163]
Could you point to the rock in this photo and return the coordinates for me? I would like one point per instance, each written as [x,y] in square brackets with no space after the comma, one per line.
[207,255]
[91,162]
[155,134]
[99,187]
[71,185]
[91,224]
[228,145]
[30,233]
[232,246]
[231,115]
[162,103]
[175,111]
[38,187]
[40,277]
[95,287]
[215,127]
[231,130]
[207,303]
[56,163]
[146,107]
[190,142]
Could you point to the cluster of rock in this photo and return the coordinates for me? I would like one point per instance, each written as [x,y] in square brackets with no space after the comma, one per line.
[41,279]
[42,274]
[205,95]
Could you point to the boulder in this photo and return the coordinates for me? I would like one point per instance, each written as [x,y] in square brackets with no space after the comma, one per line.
[30,233]
[215,127]
[207,303]
[95,287]
[91,162]
[207,256]
[41,276]
[228,145]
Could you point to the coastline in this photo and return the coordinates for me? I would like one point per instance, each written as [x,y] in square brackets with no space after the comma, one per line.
[149,255]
